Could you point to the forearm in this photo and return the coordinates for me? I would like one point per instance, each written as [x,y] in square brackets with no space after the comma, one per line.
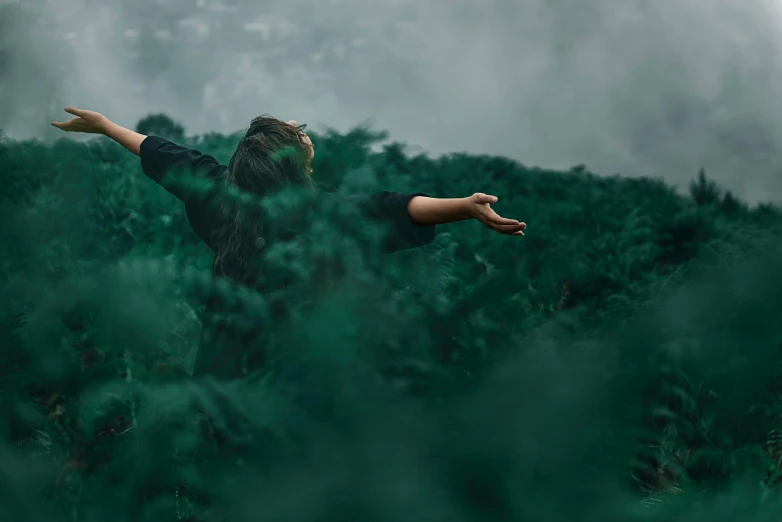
[436,211]
[127,138]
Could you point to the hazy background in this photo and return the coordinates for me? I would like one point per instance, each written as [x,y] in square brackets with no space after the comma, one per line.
[635,87]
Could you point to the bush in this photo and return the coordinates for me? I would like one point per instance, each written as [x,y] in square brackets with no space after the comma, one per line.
[161,125]
[619,362]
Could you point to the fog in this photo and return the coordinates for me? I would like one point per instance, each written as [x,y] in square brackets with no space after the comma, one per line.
[658,88]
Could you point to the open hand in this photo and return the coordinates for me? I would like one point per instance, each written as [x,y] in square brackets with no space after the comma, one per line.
[479,207]
[85,121]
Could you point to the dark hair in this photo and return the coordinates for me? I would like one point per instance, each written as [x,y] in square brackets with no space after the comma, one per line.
[271,155]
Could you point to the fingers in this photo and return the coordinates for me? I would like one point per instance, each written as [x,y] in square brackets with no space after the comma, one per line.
[64,125]
[501,221]
[513,230]
[496,222]
[520,232]
[509,229]
[485,198]
[495,219]
[75,111]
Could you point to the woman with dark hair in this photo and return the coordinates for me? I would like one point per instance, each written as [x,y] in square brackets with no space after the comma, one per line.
[273,154]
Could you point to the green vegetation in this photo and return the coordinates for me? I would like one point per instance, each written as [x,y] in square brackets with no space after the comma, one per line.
[619,362]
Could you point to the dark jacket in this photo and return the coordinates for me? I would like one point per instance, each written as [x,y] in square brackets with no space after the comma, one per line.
[160,157]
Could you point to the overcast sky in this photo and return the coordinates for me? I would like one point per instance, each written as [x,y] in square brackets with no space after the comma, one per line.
[637,87]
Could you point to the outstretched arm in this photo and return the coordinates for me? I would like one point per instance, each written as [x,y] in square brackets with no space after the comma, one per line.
[433,211]
[92,122]
[159,157]
[129,139]
[414,217]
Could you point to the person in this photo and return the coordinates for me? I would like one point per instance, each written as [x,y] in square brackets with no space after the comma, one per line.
[272,154]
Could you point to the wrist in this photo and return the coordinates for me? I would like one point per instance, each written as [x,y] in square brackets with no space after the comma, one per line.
[104,125]
[466,208]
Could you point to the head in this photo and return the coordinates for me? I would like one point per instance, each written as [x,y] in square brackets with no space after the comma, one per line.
[272,155]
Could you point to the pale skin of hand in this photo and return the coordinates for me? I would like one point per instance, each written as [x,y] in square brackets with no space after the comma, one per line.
[92,122]
[436,211]
[422,210]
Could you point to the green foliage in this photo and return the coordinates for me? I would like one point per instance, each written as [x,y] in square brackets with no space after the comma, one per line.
[704,191]
[619,362]
[161,125]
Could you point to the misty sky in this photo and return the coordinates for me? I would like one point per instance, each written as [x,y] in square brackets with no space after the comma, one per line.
[637,87]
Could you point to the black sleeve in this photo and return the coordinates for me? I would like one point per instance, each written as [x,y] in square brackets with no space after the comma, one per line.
[160,157]
[391,207]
